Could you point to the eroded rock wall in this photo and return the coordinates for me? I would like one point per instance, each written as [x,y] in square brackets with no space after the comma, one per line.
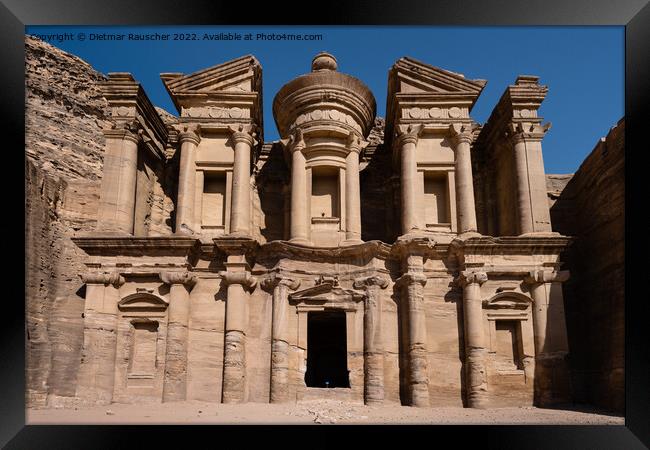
[63,146]
[591,208]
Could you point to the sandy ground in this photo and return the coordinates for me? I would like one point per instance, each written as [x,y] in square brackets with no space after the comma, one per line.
[310,412]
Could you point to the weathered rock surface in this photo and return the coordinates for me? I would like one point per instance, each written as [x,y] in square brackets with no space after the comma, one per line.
[555,184]
[592,209]
[64,150]
[64,113]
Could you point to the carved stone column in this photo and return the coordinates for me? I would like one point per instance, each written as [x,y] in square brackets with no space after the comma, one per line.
[185,220]
[551,343]
[466,208]
[412,284]
[97,370]
[532,201]
[234,358]
[352,190]
[280,285]
[406,141]
[117,201]
[240,212]
[175,381]
[373,348]
[475,350]
[299,214]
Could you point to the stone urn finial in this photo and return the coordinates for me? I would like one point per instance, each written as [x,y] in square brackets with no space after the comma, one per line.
[323,61]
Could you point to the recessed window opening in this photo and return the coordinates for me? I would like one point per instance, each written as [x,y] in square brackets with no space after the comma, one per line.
[509,350]
[214,196]
[435,198]
[325,192]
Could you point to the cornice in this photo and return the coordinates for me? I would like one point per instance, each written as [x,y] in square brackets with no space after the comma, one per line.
[109,245]
[286,249]
[548,243]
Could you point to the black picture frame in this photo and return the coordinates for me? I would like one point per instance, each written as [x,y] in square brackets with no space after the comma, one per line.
[633,14]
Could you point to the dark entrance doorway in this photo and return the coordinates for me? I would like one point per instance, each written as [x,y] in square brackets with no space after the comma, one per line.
[327,362]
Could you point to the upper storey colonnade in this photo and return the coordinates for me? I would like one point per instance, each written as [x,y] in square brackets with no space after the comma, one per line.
[449,169]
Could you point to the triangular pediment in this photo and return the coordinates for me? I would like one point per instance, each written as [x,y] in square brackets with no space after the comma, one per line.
[410,76]
[241,75]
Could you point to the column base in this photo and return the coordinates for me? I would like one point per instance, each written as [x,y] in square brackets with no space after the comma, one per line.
[352,242]
[239,234]
[469,234]
[540,234]
[300,241]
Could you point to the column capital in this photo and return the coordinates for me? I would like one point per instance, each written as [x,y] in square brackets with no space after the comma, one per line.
[185,278]
[277,279]
[526,132]
[461,133]
[546,276]
[131,131]
[408,134]
[243,134]
[242,277]
[295,141]
[355,143]
[472,276]
[104,278]
[411,277]
[371,281]
[190,134]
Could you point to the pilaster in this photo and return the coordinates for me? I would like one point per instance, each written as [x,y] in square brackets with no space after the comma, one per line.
[552,378]
[96,378]
[117,200]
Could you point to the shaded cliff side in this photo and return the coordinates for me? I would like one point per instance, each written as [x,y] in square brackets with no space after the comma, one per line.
[592,209]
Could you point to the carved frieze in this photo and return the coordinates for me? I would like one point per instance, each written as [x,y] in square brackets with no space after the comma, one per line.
[424,113]
[216,112]
[327,114]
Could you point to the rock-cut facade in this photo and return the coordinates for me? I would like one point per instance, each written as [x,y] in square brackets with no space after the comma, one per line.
[409,260]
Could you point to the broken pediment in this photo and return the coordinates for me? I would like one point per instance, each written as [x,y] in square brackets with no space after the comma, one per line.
[239,75]
[422,94]
[410,76]
[228,91]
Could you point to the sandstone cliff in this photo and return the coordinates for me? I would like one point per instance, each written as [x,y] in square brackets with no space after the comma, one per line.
[64,115]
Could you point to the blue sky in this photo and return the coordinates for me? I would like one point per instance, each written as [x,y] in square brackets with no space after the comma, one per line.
[582,66]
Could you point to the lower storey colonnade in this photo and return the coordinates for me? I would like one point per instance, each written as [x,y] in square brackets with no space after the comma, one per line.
[429,336]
